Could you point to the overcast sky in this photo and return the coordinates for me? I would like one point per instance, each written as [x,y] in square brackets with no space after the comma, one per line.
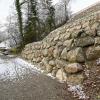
[4,9]
[76,6]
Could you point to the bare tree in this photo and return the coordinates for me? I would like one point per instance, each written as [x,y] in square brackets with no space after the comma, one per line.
[20,20]
[65,3]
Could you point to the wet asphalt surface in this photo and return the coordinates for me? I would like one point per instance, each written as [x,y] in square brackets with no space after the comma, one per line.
[22,82]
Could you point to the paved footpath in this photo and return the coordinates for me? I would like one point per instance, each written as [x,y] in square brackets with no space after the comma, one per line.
[19,82]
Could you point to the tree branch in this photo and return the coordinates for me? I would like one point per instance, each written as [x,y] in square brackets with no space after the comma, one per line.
[23,3]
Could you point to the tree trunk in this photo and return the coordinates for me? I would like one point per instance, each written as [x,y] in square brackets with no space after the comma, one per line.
[19,13]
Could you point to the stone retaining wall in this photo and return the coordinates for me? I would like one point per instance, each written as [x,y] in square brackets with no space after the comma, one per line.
[65,51]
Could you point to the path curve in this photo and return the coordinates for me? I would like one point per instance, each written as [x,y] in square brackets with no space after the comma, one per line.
[22,82]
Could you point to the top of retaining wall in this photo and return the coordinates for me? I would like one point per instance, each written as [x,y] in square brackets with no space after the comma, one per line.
[89,10]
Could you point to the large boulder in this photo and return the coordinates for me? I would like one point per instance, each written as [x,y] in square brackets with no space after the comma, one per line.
[73,68]
[77,33]
[68,44]
[97,40]
[50,51]
[98,28]
[64,53]
[93,53]
[76,55]
[54,71]
[61,63]
[56,53]
[52,62]
[86,41]
[56,38]
[49,68]
[61,75]
[45,61]
[65,36]
[36,60]
[45,52]
[94,28]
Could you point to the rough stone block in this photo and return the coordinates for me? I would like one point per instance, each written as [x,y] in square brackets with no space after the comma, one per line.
[68,44]
[76,55]
[97,40]
[61,75]
[64,54]
[73,68]
[61,63]
[93,53]
[86,41]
